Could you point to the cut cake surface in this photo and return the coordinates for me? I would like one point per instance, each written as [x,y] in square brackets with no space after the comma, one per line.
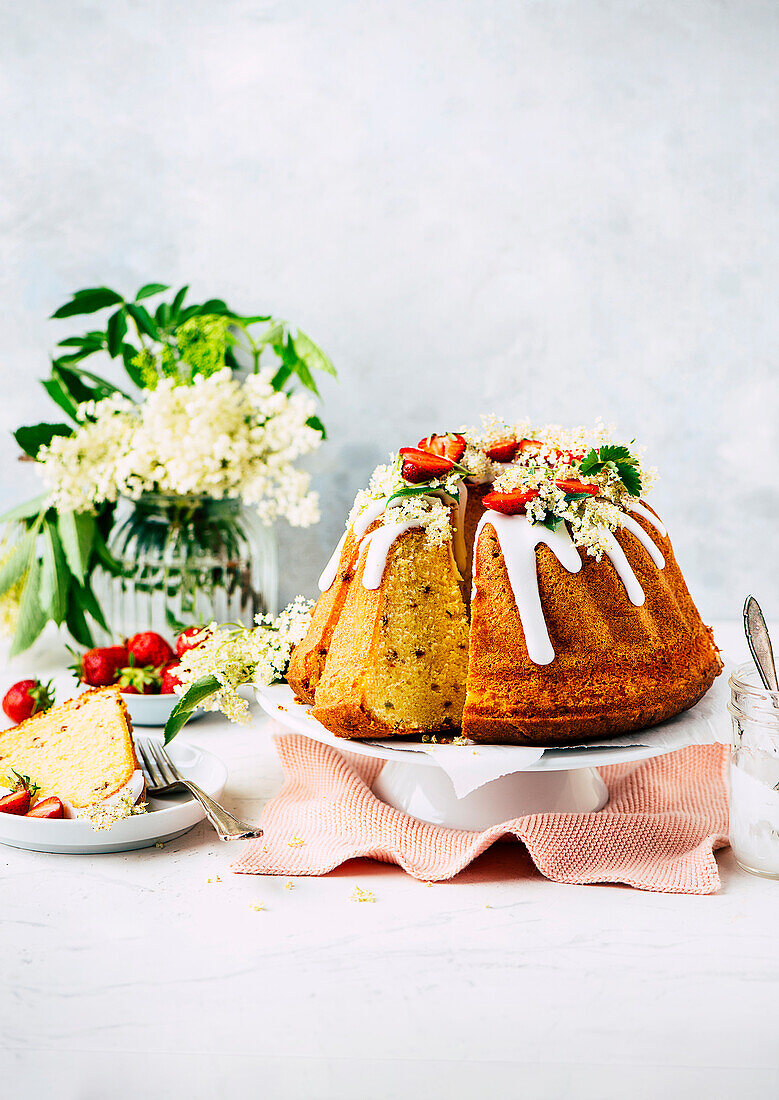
[81,751]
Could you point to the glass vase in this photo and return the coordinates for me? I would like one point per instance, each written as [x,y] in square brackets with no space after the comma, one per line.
[188,560]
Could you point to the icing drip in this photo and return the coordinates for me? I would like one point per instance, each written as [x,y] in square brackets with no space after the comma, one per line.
[636,529]
[330,571]
[366,517]
[616,555]
[642,510]
[518,540]
[377,545]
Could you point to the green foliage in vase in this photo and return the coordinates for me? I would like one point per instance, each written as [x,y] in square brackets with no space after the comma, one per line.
[47,558]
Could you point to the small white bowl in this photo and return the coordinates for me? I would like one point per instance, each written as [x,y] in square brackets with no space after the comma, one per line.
[153,710]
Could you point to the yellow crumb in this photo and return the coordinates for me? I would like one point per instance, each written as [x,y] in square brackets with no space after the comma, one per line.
[427,884]
[289,885]
[217,879]
[296,842]
[257,906]
[358,894]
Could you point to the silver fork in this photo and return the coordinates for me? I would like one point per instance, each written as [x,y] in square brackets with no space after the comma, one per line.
[162,776]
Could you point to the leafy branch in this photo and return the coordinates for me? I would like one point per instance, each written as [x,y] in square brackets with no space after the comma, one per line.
[51,557]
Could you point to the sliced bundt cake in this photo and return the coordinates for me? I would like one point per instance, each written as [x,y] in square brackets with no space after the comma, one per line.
[581,625]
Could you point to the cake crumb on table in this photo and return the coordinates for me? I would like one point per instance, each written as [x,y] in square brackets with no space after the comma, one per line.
[296,842]
[358,894]
[257,906]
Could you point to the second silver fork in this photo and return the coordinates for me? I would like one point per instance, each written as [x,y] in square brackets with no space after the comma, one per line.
[162,776]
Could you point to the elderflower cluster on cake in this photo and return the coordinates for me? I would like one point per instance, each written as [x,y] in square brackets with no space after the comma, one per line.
[519,460]
[218,437]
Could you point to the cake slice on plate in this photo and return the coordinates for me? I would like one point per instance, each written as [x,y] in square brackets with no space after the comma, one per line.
[82,751]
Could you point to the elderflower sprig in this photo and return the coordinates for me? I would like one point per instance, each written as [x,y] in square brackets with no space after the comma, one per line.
[230,657]
[218,436]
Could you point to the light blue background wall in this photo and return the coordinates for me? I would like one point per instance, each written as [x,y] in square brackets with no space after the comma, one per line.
[564,209]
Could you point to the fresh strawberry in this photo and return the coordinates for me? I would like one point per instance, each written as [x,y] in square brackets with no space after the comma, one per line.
[149,648]
[420,465]
[22,791]
[529,447]
[504,450]
[47,807]
[99,667]
[170,680]
[510,504]
[16,803]
[573,485]
[451,446]
[139,680]
[26,698]
[189,639]
[565,458]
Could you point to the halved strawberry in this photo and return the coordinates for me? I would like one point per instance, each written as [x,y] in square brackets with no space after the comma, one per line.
[529,447]
[510,504]
[419,465]
[450,445]
[572,485]
[505,450]
[16,803]
[47,807]
[567,458]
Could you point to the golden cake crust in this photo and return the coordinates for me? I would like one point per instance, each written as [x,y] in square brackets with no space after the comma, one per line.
[617,667]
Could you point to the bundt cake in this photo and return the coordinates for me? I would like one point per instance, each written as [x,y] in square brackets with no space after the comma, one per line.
[508,583]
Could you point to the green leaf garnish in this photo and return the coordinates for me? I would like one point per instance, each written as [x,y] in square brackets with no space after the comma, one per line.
[617,459]
[188,703]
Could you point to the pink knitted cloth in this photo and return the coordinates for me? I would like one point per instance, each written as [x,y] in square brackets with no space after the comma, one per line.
[658,831]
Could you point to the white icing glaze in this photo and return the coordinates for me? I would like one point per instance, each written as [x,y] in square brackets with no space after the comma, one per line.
[617,557]
[377,546]
[330,571]
[372,511]
[642,510]
[649,545]
[518,540]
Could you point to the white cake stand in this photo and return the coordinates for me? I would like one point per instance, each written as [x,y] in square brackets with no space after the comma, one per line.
[561,781]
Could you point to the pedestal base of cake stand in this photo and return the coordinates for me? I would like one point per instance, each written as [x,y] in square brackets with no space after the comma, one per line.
[427,794]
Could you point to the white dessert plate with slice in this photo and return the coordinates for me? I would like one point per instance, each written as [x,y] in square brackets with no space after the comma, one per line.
[169,816]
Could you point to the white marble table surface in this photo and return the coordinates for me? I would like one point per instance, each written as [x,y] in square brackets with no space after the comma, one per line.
[139,972]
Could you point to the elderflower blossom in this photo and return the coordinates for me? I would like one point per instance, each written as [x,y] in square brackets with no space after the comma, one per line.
[237,655]
[217,437]
[102,815]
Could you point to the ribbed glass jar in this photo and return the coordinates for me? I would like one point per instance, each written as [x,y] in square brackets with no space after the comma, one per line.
[754,773]
[188,560]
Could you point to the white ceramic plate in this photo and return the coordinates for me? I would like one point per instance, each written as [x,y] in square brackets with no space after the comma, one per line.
[168,817]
